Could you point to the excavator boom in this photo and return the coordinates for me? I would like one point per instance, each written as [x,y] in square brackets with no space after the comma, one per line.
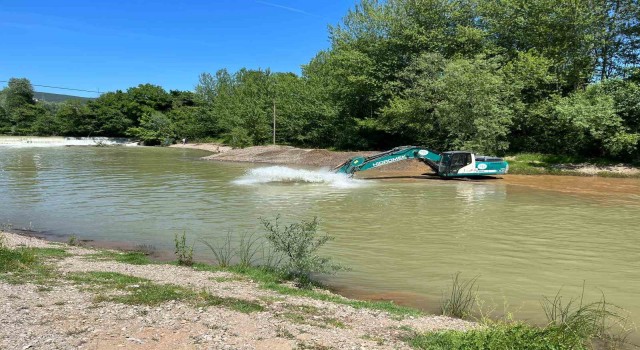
[397,154]
[445,164]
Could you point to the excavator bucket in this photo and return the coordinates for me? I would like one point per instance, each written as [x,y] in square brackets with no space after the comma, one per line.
[350,166]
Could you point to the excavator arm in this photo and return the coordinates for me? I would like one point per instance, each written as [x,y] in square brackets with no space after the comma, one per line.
[360,163]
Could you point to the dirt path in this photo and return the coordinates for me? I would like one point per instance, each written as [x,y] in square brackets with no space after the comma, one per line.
[60,314]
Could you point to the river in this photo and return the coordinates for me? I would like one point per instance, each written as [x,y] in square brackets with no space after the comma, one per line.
[523,237]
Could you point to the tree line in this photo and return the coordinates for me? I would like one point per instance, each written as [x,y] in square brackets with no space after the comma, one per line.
[491,76]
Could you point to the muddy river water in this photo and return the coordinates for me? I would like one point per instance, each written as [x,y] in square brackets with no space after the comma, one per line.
[523,236]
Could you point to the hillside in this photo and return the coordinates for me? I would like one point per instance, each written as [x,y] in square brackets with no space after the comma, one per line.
[50,97]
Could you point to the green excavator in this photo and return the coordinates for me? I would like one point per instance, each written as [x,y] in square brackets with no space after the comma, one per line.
[446,164]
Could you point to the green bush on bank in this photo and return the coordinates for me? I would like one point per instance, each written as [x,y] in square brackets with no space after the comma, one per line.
[299,243]
[290,250]
[513,336]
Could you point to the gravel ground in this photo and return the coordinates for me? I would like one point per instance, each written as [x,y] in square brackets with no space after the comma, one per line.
[64,316]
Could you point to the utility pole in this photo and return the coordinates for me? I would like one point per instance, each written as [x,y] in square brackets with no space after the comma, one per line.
[274,121]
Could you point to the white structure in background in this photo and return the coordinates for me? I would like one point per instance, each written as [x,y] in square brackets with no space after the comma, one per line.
[35,141]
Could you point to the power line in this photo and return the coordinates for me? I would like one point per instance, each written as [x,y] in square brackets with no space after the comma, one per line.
[58,87]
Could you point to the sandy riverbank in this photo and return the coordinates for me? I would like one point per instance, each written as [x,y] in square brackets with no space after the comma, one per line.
[60,313]
[274,154]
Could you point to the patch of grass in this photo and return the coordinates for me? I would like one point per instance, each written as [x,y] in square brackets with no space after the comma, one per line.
[270,299]
[244,306]
[259,274]
[141,291]
[222,251]
[54,253]
[247,250]
[459,300]
[499,336]
[305,309]
[133,257]
[105,280]
[333,322]
[386,306]
[153,294]
[272,280]
[597,321]
[378,340]
[15,260]
[26,265]
[294,317]
[202,267]
[205,299]
[223,279]
[572,324]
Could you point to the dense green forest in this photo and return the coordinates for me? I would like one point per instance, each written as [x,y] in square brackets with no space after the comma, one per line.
[494,76]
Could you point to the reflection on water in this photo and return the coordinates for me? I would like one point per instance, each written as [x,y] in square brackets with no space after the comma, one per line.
[524,237]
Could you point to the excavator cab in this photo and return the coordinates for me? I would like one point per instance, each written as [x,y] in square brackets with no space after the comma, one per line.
[451,162]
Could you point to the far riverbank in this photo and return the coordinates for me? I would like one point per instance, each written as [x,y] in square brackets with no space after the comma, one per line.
[521,164]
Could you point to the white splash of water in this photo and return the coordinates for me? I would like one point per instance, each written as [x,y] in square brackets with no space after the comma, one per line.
[284,174]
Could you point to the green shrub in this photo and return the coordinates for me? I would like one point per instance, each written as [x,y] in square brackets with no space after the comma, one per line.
[73,241]
[183,252]
[513,336]
[238,137]
[300,242]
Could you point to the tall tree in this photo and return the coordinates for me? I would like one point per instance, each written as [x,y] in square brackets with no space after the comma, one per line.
[618,37]
[18,94]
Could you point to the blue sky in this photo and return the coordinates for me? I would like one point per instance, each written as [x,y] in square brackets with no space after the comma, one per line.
[108,45]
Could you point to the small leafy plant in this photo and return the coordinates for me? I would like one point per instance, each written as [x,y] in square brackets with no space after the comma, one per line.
[300,243]
[73,241]
[183,252]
